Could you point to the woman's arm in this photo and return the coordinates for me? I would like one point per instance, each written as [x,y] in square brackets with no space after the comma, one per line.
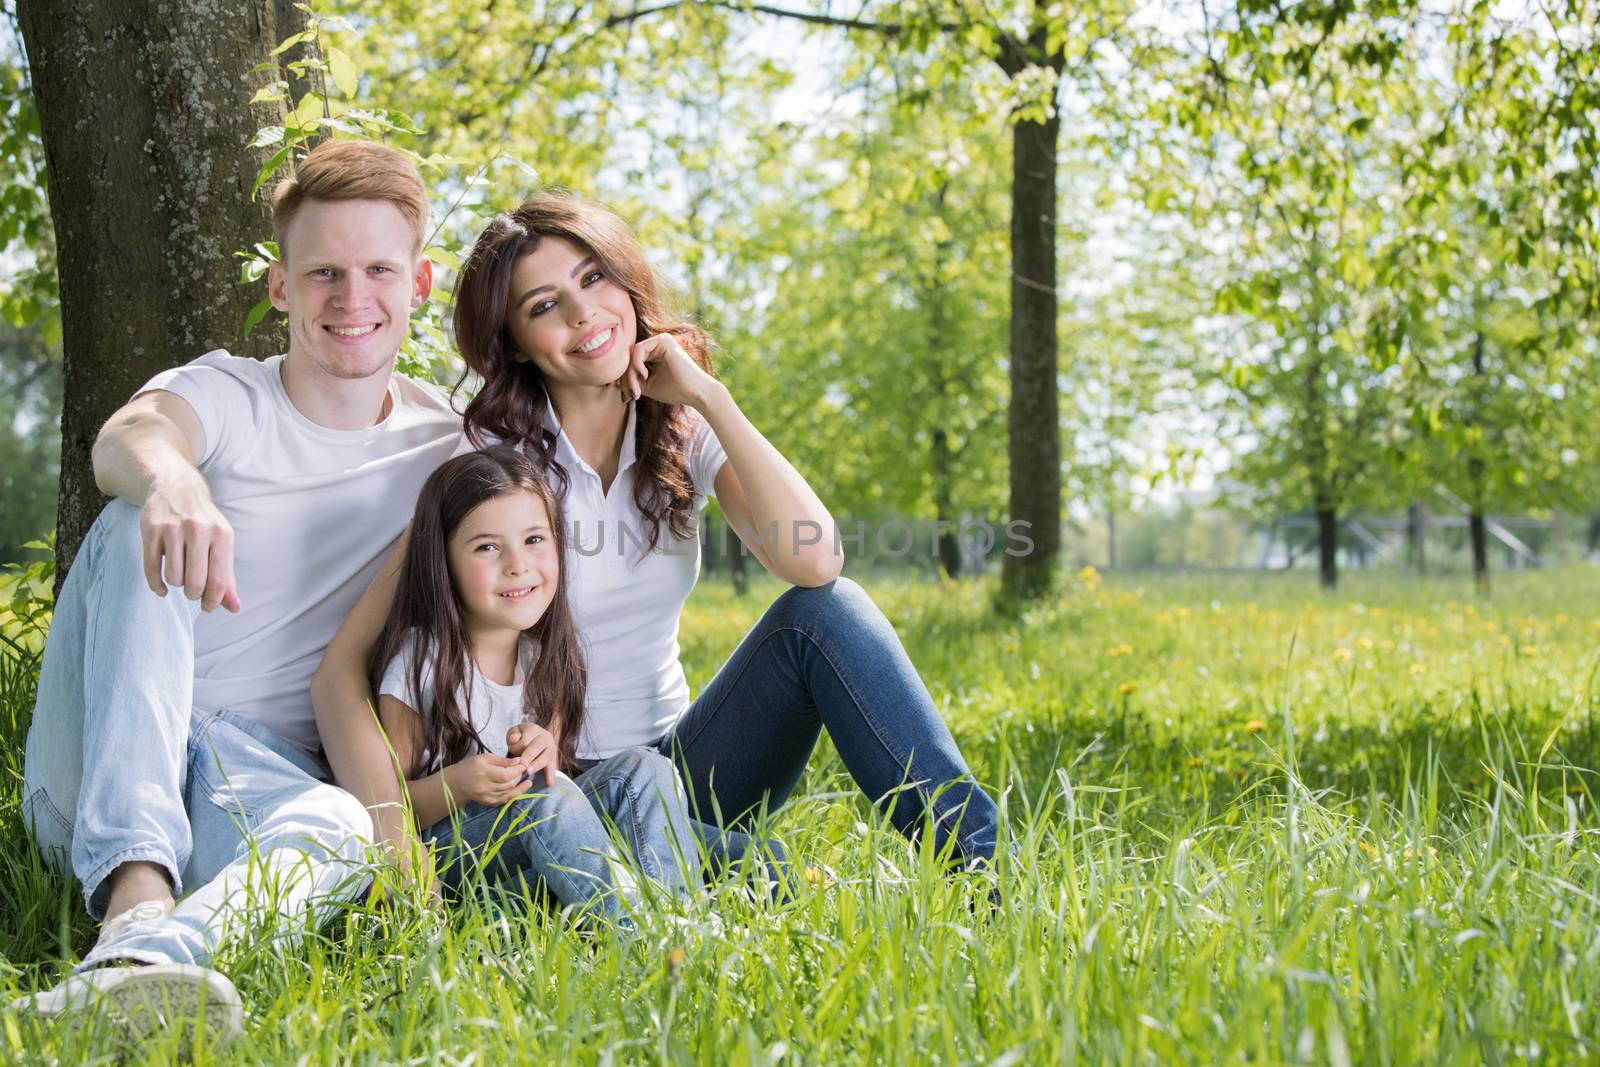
[357,750]
[768,503]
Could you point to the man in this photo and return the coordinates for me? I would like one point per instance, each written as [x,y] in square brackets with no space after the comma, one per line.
[172,760]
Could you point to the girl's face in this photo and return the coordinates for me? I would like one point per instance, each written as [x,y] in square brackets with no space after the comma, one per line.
[504,563]
[569,317]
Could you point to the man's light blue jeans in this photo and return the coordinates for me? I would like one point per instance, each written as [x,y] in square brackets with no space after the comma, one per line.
[561,834]
[120,767]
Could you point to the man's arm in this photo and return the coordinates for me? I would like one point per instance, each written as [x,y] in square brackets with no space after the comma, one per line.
[146,454]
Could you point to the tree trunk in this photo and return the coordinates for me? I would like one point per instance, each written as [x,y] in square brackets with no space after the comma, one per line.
[1480,550]
[1111,539]
[142,107]
[1034,445]
[739,568]
[941,457]
[1417,536]
[1328,547]
[948,544]
[1476,479]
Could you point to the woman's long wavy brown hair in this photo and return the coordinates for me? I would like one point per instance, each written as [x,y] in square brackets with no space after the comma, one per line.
[427,613]
[511,405]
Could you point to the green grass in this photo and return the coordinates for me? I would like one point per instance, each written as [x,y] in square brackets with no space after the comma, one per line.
[1254,823]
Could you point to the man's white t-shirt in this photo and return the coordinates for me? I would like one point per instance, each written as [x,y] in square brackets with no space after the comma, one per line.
[314,512]
[626,600]
[492,709]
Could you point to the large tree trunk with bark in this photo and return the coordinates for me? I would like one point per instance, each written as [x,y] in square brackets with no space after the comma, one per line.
[1034,445]
[144,114]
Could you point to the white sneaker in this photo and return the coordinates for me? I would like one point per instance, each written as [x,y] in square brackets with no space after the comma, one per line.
[149,909]
[143,1000]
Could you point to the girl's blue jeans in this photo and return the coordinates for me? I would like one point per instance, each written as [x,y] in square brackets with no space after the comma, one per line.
[827,658]
[565,834]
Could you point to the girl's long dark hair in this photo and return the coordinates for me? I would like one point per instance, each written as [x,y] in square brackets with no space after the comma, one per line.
[511,405]
[427,614]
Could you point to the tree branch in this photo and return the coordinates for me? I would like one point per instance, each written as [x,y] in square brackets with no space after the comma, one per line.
[887,29]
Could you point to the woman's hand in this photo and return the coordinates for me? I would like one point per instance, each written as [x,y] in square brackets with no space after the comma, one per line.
[486,779]
[660,369]
[537,748]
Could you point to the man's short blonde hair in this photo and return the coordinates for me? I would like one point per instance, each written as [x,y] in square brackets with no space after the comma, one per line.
[352,170]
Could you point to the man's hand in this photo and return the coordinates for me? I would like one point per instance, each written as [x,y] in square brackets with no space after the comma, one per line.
[537,748]
[188,543]
[146,454]
[486,779]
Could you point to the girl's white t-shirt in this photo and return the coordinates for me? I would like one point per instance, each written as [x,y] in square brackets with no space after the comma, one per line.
[491,708]
[625,599]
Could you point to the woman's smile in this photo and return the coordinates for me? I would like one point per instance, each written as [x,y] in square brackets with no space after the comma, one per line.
[597,344]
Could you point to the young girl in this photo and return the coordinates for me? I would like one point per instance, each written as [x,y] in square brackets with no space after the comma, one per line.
[481,689]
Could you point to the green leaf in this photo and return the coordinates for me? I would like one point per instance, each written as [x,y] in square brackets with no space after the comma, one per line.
[292,40]
[256,314]
[343,72]
[312,107]
[267,136]
[270,167]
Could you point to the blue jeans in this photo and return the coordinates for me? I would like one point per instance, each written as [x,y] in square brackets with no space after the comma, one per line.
[560,835]
[827,658]
[121,767]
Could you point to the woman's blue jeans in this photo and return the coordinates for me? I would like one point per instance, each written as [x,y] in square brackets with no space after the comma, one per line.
[828,658]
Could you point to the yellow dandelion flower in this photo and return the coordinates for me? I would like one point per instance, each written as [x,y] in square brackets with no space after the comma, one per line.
[1364,643]
[1196,761]
[1341,654]
[1124,650]
[1255,726]
[1370,849]
[1417,669]
[1128,687]
[1529,650]
[1561,620]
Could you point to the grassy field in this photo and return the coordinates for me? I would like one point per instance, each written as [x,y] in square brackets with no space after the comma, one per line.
[1253,823]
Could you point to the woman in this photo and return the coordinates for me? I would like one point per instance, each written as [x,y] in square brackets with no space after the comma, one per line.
[557,310]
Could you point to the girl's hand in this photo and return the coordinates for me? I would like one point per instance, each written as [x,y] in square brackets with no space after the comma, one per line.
[660,369]
[487,779]
[537,748]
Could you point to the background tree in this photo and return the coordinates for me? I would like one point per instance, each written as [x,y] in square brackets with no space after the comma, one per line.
[881,337]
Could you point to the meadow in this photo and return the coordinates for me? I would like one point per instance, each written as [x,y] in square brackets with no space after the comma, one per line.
[1251,823]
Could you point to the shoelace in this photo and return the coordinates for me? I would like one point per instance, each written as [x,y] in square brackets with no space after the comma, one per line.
[141,912]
